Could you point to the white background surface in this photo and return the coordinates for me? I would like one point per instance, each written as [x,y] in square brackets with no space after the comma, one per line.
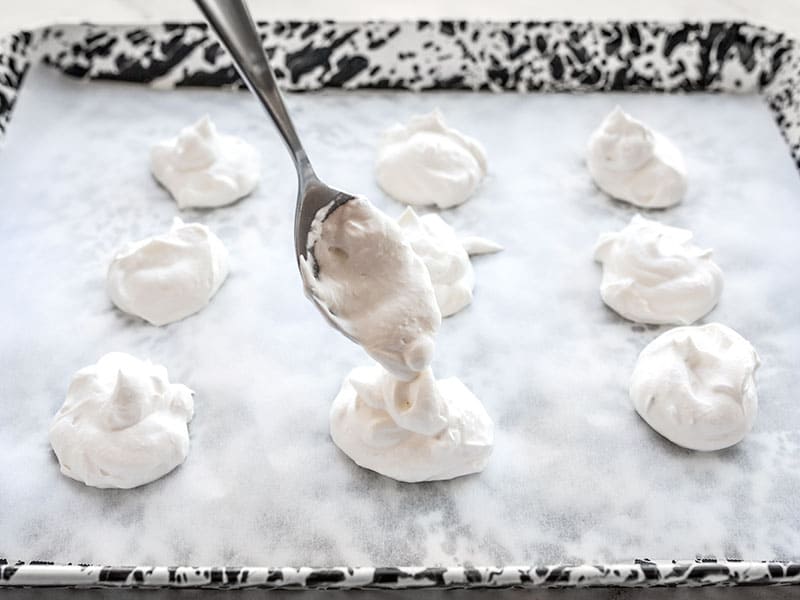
[576,476]
[781,15]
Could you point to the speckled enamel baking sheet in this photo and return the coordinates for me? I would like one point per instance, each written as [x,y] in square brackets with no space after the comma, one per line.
[576,476]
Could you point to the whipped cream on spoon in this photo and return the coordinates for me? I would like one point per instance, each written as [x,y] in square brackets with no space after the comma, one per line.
[399,342]
[374,286]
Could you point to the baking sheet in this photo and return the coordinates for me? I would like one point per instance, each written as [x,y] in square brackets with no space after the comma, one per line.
[576,476]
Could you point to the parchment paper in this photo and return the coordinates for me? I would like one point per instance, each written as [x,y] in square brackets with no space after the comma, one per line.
[575,475]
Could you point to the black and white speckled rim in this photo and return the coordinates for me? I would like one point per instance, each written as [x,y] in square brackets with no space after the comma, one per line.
[521,56]
[486,56]
[642,573]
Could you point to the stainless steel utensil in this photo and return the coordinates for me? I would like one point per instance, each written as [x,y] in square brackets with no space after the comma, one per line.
[231,21]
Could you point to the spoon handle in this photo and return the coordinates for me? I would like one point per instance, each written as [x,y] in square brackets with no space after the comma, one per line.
[234,26]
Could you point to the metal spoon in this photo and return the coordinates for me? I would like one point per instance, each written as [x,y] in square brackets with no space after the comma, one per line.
[234,26]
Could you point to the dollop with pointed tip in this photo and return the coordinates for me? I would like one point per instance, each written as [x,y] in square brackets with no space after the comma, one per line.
[696,386]
[446,257]
[374,285]
[422,430]
[426,162]
[631,162]
[653,273]
[168,277]
[203,168]
[123,424]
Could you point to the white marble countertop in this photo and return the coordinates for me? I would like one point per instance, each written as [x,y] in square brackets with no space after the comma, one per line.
[781,15]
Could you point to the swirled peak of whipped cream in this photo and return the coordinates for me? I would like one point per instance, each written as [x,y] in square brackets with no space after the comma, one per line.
[446,256]
[170,276]
[373,285]
[696,386]
[123,424]
[421,430]
[204,168]
[631,162]
[426,162]
[653,273]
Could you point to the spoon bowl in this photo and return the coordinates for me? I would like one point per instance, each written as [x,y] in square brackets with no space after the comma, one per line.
[231,21]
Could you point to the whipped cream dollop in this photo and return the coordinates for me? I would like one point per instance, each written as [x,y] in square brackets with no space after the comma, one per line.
[696,386]
[203,168]
[426,162]
[631,162]
[421,430]
[446,256]
[168,277]
[123,424]
[653,273]
[374,285]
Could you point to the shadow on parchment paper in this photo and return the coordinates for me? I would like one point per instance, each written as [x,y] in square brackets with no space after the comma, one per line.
[707,593]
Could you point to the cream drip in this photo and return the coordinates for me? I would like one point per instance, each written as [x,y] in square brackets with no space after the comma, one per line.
[421,430]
